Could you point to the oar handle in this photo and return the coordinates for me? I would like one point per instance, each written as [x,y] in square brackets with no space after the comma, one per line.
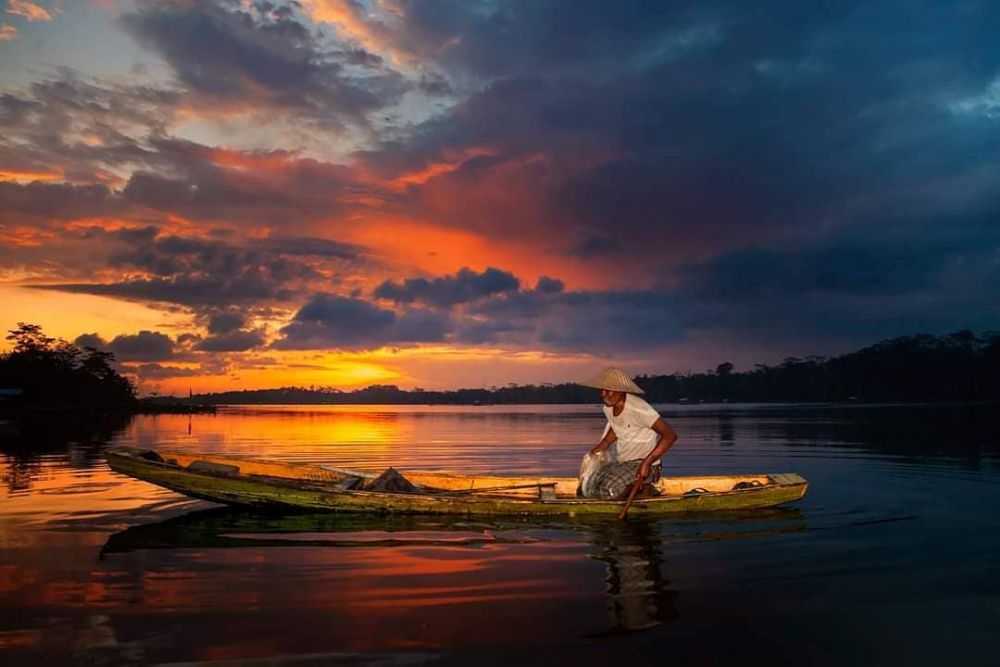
[631,496]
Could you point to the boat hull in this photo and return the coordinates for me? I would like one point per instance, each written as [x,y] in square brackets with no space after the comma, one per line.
[235,481]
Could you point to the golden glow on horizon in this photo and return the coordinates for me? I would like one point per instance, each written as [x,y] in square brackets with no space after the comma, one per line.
[271,369]
[433,367]
[343,370]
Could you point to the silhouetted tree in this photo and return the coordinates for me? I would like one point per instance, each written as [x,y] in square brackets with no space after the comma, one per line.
[51,371]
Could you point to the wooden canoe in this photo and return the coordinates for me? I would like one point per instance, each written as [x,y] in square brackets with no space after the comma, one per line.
[254,482]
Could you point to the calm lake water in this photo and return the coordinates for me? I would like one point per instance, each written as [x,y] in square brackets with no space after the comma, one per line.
[892,557]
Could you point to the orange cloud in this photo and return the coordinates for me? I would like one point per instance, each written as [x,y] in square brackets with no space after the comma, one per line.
[435,169]
[421,246]
[253,160]
[29,176]
[7,32]
[31,11]
[23,237]
[348,20]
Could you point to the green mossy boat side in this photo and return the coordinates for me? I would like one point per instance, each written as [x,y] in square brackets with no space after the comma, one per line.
[223,486]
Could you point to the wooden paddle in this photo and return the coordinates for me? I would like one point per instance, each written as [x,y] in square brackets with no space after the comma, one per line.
[636,485]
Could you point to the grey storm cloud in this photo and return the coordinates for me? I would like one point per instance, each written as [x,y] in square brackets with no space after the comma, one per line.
[791,168]
[188,181]
[59,201]
[209,274]
[154,371]
[127,135]
[770,125]
[252,285]
[577,320]
[224,323]
[38,126]
[465,286]
[829,269]
[232,341]
[857,287]
[549,285]
[770,155]
[517,37]
[206,193]
[256,53]
[143,346]
[308,246]
[330,321]
[172,254]
[91,340]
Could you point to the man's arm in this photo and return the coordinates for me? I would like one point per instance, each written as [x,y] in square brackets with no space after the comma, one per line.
[606,441]
[663,443]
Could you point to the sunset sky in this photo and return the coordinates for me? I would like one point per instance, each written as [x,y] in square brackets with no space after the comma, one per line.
[453,193]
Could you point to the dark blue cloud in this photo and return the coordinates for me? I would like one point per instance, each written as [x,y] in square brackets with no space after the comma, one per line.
[90,340]
[225,322]
[251,285]
[59,201]
[788,113]
[791,159]
[777,170]
[549,285]
[465,286]
[330,321]
[232,341]
[206,274]
[159,371]
[143,346]
[856,287]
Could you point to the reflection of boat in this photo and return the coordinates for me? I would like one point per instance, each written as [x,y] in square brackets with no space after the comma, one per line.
[638,592]
[232,527]
[240,481]
[228,527]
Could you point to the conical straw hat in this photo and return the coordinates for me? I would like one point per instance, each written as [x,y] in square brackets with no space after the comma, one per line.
[613,379]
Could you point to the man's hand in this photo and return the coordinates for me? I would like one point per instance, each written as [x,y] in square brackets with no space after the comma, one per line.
[606,441]
[644,470]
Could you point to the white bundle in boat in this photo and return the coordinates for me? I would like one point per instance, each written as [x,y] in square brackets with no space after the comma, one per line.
[589,467]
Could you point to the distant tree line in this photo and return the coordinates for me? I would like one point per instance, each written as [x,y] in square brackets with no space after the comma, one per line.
[961,367]
[391,394]
[41,371]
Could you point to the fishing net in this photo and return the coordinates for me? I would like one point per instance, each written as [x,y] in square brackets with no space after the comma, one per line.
[601,477]
[589,467]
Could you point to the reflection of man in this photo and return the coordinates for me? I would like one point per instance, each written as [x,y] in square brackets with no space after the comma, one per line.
[634,439]
[638,597]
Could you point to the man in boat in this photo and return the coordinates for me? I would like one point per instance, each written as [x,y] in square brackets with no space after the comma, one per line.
[634,439]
